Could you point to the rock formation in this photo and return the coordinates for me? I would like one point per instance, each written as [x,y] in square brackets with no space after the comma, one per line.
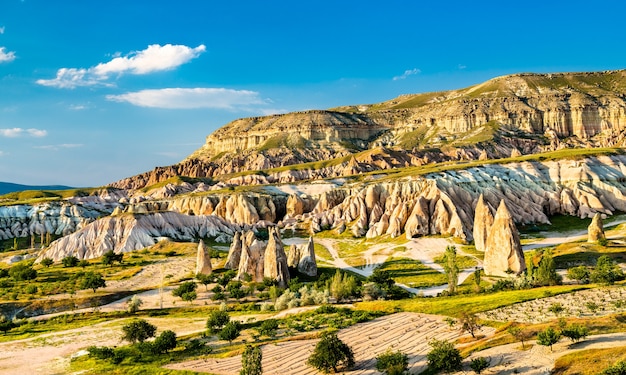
[307,264]
[503,251]
[203,260]
[483,220]
[234,253]
[293,258]
[595,229]
[275,260]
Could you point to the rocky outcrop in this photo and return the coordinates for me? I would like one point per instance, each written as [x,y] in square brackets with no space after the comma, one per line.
[294,255]
[130,232]
[483,220]
[503,251]
[275,260]
[307,264]
[203,260]
[234,252]
[596,229]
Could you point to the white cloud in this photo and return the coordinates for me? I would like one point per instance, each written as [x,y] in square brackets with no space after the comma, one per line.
[189,98]
[461,66]
[7,56]
[407,73]
[1,29]
[2,153]
[58,147]
[18,132]
[77,107]
[155,58]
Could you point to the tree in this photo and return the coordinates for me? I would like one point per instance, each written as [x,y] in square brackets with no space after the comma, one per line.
[109,257]
[133,304]
[22,272]
[251,361]
[342,286]
[545,274]
[331,354]
[575,332]
[268,328]
[478,364]
[392,363]
[138,330]
[444,356]
[548,337]
[83,263]
[580,274]
[477,277]
[205,280]
[47,262]
[6,324]
[165,342]
[93,281]
[234,289]
[519,333]
[70,261]
[217,320]
[230,331]
[606,271]
[451,268]
[469,323]
[617,369]
[186,291]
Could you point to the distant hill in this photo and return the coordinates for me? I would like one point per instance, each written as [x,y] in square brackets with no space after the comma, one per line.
[8,187]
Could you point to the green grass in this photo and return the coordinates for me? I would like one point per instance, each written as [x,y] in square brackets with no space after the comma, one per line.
[39,196]
[464,262]
[453,306]
[176,180]
[583,253]
[413,273]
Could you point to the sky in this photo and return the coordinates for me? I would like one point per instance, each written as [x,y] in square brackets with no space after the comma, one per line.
[98,90]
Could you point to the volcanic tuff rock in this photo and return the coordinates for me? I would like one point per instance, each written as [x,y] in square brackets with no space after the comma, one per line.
[234,252]
[483,220]
[275,260]
[129,232]
[503,251]
[203,260]
[308,264]
[595,229]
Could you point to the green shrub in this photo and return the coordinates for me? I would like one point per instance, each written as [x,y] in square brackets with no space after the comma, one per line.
[478,364]
[617,369]
[70,261]
[100,352]
[392,363]
[22,272]
[217,320]
[331,354]
[444,357]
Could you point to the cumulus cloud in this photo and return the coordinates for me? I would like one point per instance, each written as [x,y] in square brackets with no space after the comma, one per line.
[58,147]
[155,58]
[1,29]
[189,98]
[6,56]
[407,73]
[18,132]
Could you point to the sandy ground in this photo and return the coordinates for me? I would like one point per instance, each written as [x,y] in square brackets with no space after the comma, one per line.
[407,332]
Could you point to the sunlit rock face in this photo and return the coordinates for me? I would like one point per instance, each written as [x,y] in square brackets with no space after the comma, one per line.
[503,251]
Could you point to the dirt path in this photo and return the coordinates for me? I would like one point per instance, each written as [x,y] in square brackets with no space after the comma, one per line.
[407,332]
[555,238]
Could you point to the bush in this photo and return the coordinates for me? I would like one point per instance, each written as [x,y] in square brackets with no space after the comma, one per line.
[548,337]
[342,286]
[22,272]
[392,363]
[331,354]
[575,332]
[617,369]
[230,331]
[580,274]
[46,262]
[268,328]
[217,320]
[186,291]
[165,342]
[138,331]
[478,364]
[92,281]
[606,271]
[133,304]
[100,352]
[109,257]
[444,357]
[70,261]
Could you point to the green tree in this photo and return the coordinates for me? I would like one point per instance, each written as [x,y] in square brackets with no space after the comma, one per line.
[469,323]
[6,324]
[22,272]
[606,271]
[251,361]
[575,332]
[519,333]
[392,363]
[110,257]
[545,274]
[444,357]
[580,274]
[451,268]
[186,291]
[83,263]
[268,327]
[47,262]
[477,279]
[205,280]
[138,330]
[133,304]
[217,320]
[230,331]
[331,354]
[235,289]
[478,364]
[93,281]
[70,261]
[165,342]
[342,286]
[548,337]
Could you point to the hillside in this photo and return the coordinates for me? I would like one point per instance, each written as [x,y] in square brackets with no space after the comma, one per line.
[8,187]
[510,115]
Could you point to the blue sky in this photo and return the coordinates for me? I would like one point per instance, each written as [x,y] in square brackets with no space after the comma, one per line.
[95,91]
